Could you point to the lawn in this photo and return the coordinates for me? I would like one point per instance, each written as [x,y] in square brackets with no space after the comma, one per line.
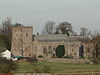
[56,67]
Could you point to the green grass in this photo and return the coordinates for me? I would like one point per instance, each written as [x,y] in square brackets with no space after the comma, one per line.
[57,67]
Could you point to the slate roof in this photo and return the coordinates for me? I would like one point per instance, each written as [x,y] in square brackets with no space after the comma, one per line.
[56,38]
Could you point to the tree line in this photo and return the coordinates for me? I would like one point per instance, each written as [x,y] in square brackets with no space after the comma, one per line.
[66,28]
[50,27]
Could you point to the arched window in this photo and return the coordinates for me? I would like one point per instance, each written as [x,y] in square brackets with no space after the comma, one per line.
[44,50]
[35,47]
[26,34]
[50,49]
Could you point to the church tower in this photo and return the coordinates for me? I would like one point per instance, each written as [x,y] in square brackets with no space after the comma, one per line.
[21,40]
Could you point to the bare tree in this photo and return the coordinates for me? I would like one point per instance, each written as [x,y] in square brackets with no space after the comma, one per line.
[6,31]
[92,40]
[96,48]
[84,31]
[93,45]
[93,34]
[74,33]
[49,27]
[57,30]
[96,44]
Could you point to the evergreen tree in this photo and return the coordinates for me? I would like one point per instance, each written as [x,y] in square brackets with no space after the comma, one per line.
[60,51]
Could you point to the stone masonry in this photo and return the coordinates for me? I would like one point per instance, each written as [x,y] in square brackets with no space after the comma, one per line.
[27,45]
[21,40]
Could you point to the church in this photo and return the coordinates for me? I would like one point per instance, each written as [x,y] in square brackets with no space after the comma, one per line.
[25,44]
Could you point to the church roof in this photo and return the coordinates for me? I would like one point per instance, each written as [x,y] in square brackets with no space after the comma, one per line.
[56,38]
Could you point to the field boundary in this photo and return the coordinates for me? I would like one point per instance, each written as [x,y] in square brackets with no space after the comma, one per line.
[72,60]
[59,73]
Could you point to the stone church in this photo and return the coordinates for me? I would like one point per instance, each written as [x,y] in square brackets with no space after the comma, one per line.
[27,45]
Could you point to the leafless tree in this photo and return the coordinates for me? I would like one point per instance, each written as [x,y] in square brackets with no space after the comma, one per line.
[84,31]
[49,27]
[57,30]
[6,26]
[6,31]
[96,45]
[93,43]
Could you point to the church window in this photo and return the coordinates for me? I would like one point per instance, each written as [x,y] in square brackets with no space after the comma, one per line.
[72,50]
[26,34]
[29,54]
[35,47]
[75,54]
[54,48]
[16,35]
[72,45]
[49,47]
[44,50]
[67,45]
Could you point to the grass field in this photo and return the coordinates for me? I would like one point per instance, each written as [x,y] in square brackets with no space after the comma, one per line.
[56,67]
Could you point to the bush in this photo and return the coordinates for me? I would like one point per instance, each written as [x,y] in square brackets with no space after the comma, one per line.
[40,56]
[67,57]
[6,66]
[60,51]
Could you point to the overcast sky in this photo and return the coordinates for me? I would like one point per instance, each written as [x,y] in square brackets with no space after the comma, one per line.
[36,12]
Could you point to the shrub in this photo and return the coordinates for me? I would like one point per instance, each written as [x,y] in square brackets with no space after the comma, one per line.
[66,57]
[60,51]
[40,56]
[6,66]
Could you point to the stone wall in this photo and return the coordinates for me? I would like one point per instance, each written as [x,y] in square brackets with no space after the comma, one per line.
[71,48]
[64,60]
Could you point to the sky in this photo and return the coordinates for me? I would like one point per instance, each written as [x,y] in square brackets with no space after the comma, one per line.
[35,13]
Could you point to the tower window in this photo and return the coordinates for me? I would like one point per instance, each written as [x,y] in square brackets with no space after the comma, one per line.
[26,34]
[35,47]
